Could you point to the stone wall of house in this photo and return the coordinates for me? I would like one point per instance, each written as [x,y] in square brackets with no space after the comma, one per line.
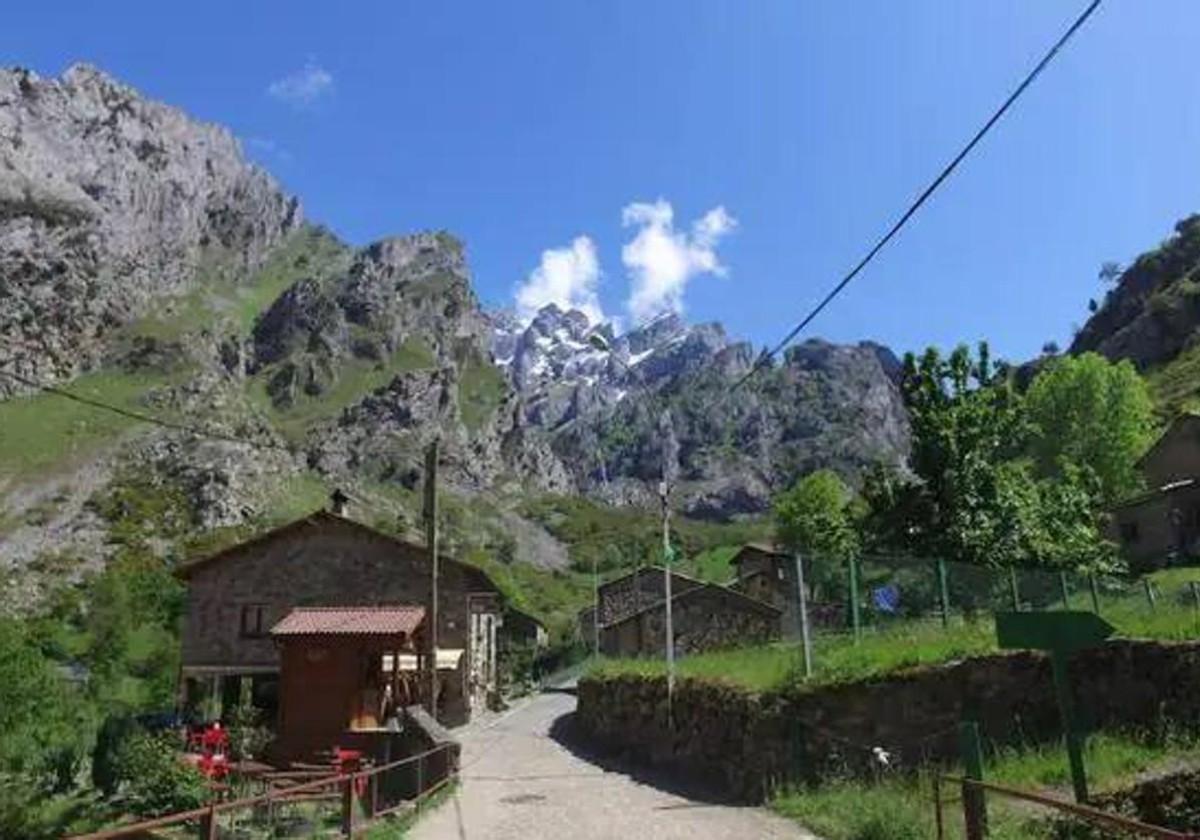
[625,596]
[322,563]
[703,618]
[743,743]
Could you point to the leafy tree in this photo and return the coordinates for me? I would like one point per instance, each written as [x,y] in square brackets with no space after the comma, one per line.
[814,517]
[976,497]
[1086,411]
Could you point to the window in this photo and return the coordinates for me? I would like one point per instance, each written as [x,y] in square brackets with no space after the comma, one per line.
[1129,532]
[253,622]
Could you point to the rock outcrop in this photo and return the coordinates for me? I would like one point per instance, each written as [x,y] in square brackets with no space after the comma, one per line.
[109,201]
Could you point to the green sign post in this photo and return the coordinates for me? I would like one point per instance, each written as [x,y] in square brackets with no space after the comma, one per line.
[1061,633]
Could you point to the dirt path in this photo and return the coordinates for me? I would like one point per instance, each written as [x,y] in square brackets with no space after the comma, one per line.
[521,778]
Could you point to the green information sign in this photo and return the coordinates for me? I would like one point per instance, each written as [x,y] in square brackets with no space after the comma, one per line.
[1061,632]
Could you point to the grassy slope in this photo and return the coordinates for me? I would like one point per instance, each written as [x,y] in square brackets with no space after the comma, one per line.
[901,808]
[1176,385]
[618,538]
[356,379]
[481,387]
[43,432]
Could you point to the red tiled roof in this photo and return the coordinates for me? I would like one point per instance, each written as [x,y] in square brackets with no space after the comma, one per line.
[354,621]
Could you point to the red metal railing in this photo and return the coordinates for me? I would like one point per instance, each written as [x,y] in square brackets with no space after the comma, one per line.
[354,787]
[1088,814]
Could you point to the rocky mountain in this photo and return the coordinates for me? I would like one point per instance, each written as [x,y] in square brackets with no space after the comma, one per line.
[1152,313]
[600,397]
[145,264]
[108,202]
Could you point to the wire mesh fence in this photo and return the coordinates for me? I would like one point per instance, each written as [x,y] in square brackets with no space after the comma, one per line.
[900,599]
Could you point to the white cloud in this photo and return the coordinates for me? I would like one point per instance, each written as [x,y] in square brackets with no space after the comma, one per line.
[567,277]
[661,260]
[304,87]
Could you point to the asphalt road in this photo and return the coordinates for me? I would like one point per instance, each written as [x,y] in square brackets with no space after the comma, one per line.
[524,777]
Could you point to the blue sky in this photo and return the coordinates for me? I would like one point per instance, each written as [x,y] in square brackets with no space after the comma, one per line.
[796,131]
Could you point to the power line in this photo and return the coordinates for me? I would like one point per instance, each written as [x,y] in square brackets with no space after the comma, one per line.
[762,360]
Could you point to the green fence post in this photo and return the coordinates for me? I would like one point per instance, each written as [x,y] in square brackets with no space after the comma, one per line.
[943,592]
[973,798]
[855,618]
[1013,590]
[1066,593]
[1073,736]
[1149,591]
[1095,594]
[1195,587]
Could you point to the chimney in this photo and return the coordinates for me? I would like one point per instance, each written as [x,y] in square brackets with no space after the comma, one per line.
[338,502]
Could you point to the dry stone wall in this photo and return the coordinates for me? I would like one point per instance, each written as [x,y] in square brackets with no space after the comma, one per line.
[743,743]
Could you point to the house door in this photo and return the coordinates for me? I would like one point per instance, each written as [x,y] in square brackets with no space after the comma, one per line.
[483,658]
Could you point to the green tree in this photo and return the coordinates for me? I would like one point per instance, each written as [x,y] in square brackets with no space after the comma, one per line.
[977,497]
[814,517]
[1086,411]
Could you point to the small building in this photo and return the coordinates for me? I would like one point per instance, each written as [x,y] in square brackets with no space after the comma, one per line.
[236,596]
[769,575]
[520,629]
[704,616]
[339,684]
[1162,525]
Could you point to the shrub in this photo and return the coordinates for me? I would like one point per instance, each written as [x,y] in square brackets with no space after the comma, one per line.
[155,778]
[106,755]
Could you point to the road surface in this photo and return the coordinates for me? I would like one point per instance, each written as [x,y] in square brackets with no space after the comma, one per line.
[523,779]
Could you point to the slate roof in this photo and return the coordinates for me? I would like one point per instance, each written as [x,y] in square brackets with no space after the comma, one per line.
[350,621]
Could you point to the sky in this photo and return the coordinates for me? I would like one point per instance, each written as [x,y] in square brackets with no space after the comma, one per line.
[727,159]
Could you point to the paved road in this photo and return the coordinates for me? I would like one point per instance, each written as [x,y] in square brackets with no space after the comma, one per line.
[520,780]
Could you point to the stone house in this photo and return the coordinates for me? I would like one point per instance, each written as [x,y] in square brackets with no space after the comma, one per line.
[769,575]
[1163,523]
[236,596]
[704,616]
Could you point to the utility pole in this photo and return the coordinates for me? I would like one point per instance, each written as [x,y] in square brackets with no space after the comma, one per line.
[670,466]
[431,540]
[802,616]
[595,608]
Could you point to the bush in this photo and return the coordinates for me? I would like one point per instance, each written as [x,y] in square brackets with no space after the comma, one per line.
[106,755]
[154,777]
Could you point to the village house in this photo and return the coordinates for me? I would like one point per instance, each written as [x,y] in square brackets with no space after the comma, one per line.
[769,575]
[251,606]
[1162,524]
[704,616]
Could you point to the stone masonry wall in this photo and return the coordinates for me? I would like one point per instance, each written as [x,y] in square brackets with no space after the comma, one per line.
[744,743]
[703,618]
[636,591]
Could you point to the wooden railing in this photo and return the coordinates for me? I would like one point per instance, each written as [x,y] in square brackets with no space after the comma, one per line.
[361,786]
[976,820]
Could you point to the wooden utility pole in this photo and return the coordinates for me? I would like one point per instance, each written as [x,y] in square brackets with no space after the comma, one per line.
[670,468]
[431,540]
[802,616]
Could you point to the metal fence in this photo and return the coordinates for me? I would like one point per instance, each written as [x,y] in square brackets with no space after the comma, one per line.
[874,595]
[293,804]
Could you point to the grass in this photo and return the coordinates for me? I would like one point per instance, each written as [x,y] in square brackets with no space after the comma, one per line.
[42,431]
[901,807]
[309,252]
[356,378]
[626,537]
[901,644]
[481,387]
